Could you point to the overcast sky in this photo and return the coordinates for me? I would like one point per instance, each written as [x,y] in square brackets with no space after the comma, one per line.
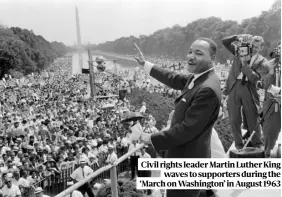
[105,20]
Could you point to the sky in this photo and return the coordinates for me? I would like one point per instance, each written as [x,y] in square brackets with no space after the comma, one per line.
[107,20]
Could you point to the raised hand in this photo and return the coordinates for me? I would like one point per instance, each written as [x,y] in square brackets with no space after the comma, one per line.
[246,37]
[139,56]
[145,138]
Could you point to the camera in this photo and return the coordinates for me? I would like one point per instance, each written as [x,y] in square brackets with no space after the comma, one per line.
[274,90]
[276,53]
[243,48]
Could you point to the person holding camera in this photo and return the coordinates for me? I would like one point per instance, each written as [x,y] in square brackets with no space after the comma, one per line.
[247,69]
[272,104]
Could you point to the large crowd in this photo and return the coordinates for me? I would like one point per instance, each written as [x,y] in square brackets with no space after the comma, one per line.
[48,120]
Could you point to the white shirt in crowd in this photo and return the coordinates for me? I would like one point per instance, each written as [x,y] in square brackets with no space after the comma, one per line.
[80,173]
[132,146]
[11,192]
[23,182]
[112,157]
[143,109]
[124,142]
[103,148]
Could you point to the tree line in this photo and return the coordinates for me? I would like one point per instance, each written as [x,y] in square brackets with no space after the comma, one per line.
[23,52]
[174,42]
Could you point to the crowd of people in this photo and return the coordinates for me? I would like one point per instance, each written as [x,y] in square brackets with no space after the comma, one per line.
[48,120]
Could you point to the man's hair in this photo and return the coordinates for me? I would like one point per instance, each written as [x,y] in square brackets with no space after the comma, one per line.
[258,39]
[213,45]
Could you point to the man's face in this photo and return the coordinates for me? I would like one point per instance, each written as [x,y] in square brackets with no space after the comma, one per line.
[12,155]
[256,47]
[82,165]
[111,151]
[9,184]
[198,57]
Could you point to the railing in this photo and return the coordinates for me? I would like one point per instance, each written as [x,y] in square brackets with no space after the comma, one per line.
[113,175]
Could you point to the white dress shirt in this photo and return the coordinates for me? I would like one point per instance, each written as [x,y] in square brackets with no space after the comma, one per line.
[124,142]
[143,109]
[11,192]
[131,147]
[112,158]
[78,175]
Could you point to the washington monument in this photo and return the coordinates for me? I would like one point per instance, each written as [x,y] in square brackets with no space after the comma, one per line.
[77,28]
[77,66]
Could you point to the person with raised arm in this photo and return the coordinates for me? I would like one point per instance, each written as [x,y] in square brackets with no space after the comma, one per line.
[196,109]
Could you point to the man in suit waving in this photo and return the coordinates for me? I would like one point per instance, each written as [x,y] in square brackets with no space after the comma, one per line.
[196,109]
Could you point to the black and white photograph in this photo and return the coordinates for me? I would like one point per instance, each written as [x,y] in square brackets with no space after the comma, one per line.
[90,87]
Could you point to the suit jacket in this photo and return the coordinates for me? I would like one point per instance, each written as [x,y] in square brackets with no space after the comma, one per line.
[196,111]
[254,73]
[268,80]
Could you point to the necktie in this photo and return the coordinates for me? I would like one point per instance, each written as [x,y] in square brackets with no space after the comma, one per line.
[191,83]
[83,173]
[250,62]
[243,82]
[134,152]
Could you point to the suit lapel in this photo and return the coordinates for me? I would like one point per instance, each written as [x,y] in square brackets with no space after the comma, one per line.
[196,82]
[185,88]
[256,62]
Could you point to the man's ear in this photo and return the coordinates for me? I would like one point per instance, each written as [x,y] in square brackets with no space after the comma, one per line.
[213,57]
[211,61]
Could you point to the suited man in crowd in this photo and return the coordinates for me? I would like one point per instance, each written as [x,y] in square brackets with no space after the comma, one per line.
[272,121]
[79,174]
[196,109]
[242,90]
[134,159]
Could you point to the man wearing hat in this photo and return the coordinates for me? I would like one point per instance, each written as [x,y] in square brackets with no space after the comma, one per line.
[133,158]
[9,189]
[112,156]
[79,174]
[145,173]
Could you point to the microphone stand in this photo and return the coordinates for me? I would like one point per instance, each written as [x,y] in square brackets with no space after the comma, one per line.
[277,78]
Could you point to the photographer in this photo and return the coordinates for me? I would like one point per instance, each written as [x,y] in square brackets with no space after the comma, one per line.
[247,68]
[272,113]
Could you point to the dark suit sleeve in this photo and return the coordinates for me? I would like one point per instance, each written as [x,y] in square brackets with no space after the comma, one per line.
[254,76]
[169,78]
[227,42]
[196,118]
[268,80]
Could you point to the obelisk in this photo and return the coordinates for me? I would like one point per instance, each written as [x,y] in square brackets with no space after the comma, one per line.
[77,27]
[78,40]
